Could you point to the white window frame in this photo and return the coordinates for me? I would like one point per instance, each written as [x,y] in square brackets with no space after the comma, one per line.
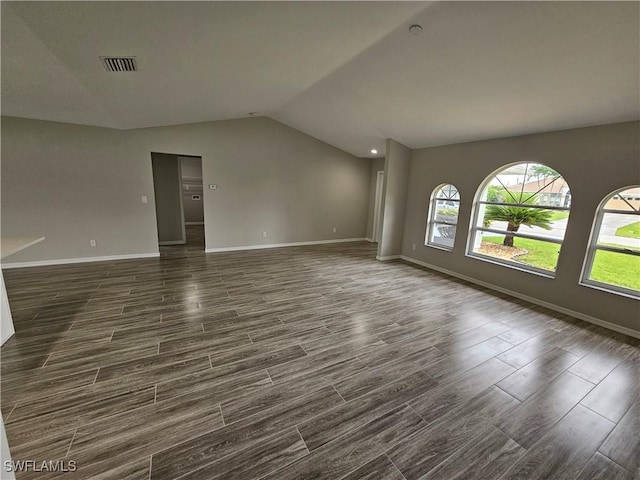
[478,212]
[594,247]
[431,218]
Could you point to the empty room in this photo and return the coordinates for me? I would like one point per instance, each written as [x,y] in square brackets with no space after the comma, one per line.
[320,240]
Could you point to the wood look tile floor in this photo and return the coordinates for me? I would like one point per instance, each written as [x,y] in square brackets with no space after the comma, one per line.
[307,363]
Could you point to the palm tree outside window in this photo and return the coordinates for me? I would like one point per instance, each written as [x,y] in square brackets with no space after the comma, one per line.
[520,217]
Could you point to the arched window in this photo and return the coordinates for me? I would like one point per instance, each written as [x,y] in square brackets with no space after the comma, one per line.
[520,217]
[443,217]
[613,258]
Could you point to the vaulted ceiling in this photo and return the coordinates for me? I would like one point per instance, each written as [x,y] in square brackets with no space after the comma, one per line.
[348,73]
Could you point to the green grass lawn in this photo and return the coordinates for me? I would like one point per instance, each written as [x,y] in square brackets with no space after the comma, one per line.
[541,254]
[558,215]
[616,269]
[631,231]
[608,267]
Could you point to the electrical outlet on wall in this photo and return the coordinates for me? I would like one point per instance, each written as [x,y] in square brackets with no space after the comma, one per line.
[335,229]
[145,199]
[264,234]
[413,247]
[92,243]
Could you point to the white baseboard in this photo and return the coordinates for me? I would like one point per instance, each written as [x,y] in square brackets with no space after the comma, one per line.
[370,240]
[194,223]
[64,261]
[279,245]
[535,301]
[388,257]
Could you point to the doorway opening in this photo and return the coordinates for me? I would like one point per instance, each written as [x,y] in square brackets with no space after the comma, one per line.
[177,184]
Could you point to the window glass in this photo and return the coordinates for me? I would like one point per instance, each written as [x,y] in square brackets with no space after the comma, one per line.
[613,258]
[617,269]
[443,217]
[621,230]
[521,217]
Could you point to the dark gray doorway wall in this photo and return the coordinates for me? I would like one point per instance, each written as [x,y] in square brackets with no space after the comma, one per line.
[167,181]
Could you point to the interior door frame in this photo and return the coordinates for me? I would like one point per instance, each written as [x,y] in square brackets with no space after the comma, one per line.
[377,209]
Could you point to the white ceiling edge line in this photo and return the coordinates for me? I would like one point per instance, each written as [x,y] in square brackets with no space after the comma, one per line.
[518,135]
[98,105]
[405,23]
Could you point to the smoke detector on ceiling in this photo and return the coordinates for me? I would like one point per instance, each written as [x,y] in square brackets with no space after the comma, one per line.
[119,64]
[415,29]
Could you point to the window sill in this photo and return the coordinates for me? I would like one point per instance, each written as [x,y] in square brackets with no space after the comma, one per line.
[513,265]
[608,289]
[438,247]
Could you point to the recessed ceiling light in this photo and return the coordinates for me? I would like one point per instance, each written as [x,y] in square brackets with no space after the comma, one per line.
[415,29]
[374,151]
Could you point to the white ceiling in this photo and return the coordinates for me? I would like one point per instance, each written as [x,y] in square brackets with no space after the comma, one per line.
[348,73]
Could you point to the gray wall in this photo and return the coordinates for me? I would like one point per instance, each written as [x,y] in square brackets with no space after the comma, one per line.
[594,161]
[377,165]
[168,198]
[396,177]
[191,168]
[74,183]
[270,178]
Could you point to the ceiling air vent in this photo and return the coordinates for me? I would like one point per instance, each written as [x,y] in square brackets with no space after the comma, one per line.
[119,64]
